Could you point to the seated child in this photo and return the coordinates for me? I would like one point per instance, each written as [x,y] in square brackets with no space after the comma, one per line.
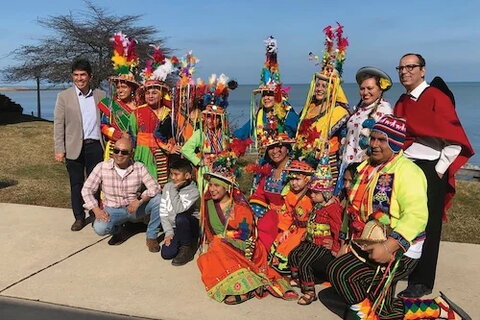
[321,241]
[177,215]
[293,216]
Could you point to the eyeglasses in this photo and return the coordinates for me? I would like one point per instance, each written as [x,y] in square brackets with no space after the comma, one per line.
[123,152]
[408,67]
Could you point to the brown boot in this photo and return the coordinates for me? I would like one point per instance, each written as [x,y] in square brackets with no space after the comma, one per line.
[185,254]
[153,245]
[78,225]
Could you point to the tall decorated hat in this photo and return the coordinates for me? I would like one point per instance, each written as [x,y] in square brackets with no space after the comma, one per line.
[186,68]
[125,59]
[155,73]
[322,180]
[213,96]
[334,54]
[331,67]
[270,75]
[157,69]
[270,84]
[225,169]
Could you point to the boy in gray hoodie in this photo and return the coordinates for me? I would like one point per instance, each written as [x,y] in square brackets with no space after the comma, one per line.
[178,215]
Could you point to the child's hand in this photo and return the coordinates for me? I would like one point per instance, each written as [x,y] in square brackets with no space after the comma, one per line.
[175,149]
[284,236]
[343,250]
[327,243]
[168,240]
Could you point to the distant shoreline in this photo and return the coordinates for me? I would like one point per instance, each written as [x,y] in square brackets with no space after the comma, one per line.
[19,88]
[27,89]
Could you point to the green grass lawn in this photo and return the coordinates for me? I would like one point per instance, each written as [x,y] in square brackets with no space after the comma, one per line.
[29,175]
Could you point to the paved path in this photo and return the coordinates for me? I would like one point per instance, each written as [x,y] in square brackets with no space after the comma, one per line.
[42,260]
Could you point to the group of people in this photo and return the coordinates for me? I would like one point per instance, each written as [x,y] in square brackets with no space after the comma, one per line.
[354,197]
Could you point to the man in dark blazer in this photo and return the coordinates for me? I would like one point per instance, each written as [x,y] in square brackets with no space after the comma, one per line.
[77,136]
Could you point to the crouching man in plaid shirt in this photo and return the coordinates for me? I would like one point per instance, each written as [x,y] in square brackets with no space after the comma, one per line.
[120,180]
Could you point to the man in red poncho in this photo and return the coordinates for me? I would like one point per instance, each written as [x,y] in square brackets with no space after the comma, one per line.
[437,143]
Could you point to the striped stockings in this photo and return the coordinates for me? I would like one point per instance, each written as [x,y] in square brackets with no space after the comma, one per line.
[356,282]
[161,159]
[301,259]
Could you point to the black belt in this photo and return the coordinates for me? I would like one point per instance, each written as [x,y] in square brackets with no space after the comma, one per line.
[90,141]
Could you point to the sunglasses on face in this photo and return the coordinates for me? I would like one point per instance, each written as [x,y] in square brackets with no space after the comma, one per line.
[123,152]
[268,94]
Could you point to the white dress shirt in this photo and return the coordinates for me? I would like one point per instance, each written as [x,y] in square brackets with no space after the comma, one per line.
[89,115]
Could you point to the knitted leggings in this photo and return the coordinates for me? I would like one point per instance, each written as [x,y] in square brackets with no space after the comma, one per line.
[352,279]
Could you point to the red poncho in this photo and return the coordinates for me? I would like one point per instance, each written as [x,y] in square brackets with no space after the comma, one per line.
[433,115]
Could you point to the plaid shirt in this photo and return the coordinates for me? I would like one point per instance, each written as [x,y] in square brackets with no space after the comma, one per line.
[118,192]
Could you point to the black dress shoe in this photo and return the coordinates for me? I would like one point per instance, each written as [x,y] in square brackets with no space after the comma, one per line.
[185,254]
[78,225]
[415,291]
[120,237]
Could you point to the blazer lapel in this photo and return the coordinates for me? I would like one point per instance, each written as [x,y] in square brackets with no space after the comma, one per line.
[76,105]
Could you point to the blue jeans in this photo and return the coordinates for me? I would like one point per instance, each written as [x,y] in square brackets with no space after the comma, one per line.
[119,216]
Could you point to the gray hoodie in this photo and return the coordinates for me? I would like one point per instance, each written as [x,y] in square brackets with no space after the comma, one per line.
[174,201]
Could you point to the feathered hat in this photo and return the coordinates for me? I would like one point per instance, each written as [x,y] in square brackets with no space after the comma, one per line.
[186,68]
[157,69]
[125,59]
[305,160]
[213,97]
[225,168]
[334,53]
[330,71]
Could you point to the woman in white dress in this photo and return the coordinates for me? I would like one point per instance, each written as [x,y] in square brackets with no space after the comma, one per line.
[372,84]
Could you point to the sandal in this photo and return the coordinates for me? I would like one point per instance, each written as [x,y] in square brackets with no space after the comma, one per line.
[290,295]
[307,298]
[451,308]
[260,292]
[237,299]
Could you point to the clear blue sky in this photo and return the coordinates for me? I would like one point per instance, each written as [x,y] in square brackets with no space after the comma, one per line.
[227,36]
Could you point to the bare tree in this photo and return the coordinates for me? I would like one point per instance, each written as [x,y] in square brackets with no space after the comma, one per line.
[86,33]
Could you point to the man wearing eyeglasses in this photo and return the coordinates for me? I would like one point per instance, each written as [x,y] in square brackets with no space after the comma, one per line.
[120,180]
[437,143]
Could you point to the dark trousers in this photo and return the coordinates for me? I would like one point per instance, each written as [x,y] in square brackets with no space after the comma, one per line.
[305,259]
[90,156]
[352,278]
[186,234]
[426,269]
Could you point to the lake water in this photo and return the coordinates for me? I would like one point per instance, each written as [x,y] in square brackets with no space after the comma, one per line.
[466,96]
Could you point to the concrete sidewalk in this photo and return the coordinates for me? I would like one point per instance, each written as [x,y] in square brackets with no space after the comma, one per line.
[42,260]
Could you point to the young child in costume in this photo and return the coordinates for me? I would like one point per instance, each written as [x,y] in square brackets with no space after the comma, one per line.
[293,217]
[321,242]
